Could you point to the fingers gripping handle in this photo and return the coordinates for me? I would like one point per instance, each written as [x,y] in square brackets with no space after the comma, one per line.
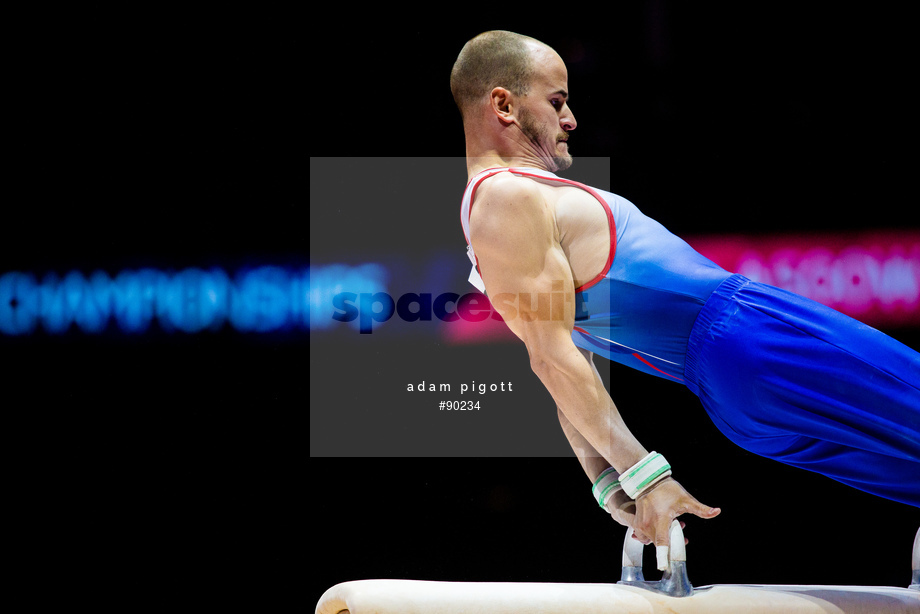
[678,551]
[672,560]
[632,549]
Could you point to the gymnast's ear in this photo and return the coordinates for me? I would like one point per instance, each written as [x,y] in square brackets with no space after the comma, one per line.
[502,104]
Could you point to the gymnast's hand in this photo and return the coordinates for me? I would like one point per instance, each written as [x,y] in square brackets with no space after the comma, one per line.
[622,508]
[657,507]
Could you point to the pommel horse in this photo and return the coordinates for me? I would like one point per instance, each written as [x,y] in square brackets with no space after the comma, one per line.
[632,594]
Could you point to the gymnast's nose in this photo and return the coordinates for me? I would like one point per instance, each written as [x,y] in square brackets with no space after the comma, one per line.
[567,120]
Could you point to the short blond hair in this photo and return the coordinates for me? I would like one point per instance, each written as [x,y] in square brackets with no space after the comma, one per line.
[497,58]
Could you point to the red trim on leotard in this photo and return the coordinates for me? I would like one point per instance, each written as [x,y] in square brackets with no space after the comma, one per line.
[635,355]
[611,224]
[656,368]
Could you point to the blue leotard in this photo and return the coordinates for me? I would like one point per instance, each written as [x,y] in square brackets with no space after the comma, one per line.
[640,309]
[780,375]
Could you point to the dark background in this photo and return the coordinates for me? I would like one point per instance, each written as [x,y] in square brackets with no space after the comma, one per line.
[171,472]
[718,119]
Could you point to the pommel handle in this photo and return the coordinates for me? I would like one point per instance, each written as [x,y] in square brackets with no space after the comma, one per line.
[915,564]
[671,559]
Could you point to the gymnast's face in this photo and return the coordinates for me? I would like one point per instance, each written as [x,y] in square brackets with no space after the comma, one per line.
[544,116]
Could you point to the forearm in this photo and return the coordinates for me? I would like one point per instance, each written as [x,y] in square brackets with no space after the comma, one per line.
[580,395]
[590,459]
[618,504]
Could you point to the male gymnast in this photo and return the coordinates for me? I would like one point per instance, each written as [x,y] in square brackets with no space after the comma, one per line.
[780,375]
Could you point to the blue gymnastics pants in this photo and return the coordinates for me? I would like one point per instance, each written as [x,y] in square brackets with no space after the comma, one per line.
[790,379]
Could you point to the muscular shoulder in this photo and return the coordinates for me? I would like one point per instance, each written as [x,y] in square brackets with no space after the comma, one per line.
[507,199]
[507,187]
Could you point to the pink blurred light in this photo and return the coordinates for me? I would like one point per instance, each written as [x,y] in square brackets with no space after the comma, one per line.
[873,276]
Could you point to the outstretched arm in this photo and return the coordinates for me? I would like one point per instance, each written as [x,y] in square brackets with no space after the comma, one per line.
[621,507]
[529,281]
[526,272]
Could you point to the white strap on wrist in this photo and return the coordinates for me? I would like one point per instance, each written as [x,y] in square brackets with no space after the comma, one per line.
[606,484]
[644,474]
